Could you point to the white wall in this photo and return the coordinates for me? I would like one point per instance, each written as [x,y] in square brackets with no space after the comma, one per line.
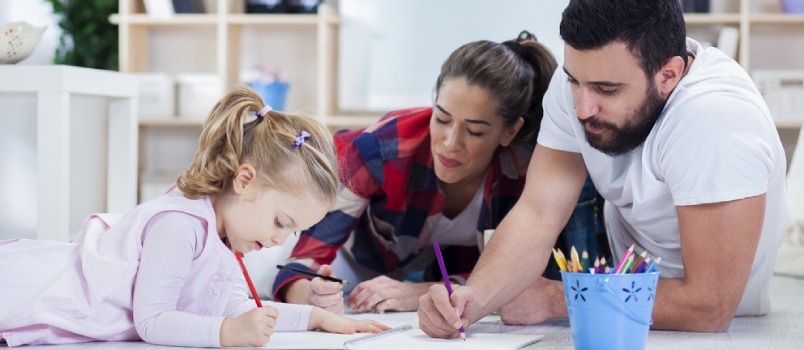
[392,50]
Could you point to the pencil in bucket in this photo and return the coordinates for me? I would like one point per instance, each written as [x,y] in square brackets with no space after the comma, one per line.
[610,310]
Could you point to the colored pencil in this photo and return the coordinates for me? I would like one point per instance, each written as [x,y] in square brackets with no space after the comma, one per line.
[638,262]
[653,266]
[644,265]
[624,259]
[607,270]
[248,279]
[597,265]
[558,260]
[446,279]
[311,274]
[627,266]
[576,260]
[585,260]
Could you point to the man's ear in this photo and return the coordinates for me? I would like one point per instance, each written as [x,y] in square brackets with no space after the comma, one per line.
[244,177]
[669,75]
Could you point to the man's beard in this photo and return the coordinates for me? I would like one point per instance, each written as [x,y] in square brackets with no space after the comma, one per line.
[638,125]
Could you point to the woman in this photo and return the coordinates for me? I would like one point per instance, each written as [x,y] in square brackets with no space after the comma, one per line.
[423,175]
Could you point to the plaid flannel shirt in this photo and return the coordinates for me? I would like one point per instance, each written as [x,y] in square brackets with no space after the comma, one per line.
[389,202]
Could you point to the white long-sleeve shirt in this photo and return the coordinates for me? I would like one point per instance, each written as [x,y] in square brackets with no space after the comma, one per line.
[172,242]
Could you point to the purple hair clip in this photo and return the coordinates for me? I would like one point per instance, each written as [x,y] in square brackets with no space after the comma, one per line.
[300,139]
[264,111]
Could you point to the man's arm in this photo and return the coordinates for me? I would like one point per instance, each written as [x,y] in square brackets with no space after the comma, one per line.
[520,248]
[718,245]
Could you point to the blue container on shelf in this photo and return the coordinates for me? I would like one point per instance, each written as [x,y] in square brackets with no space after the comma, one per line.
[793,6]
[274,93]
[610,311]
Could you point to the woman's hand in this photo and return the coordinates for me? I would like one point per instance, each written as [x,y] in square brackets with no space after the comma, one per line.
[325,294]
[318,292]
[330,322]
[252,328]
[383,293]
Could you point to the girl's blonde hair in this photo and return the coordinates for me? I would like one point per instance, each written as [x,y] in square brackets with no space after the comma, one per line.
[230,138]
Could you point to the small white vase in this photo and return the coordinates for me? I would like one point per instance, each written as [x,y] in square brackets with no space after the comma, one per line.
[18,40]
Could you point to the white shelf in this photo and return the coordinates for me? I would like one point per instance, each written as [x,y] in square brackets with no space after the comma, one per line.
[712,18]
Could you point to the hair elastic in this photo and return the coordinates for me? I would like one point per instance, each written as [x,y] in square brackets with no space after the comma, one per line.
[300,139]
[264,111]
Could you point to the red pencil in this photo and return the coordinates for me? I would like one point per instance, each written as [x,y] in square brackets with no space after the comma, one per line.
[248,279]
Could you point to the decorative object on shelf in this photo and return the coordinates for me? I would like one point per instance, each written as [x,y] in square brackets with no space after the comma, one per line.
[793,6]
[159,8]
[727,41]
[88,39]
[18,40]
[197,94]
[157,98]
[265,81]
[266,6]
[783,91]
[695,6]
[303,6]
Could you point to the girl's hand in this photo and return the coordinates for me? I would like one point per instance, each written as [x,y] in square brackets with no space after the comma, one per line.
[383,293]
[253,328]
[330,322]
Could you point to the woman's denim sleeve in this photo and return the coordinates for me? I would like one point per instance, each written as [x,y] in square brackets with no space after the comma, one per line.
[579,231]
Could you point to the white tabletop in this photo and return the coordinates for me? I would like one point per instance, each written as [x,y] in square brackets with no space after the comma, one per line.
[782,328]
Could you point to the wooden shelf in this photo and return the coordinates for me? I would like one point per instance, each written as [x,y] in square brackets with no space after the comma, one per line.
[712,18]
[175,121]
[180,19]
[776,18]
[789,124]
[233,19]
[351,122]
[276,20]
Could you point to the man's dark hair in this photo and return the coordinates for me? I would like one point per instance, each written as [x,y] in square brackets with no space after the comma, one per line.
[653,30]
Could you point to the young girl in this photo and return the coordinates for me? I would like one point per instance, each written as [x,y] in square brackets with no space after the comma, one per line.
[166,272]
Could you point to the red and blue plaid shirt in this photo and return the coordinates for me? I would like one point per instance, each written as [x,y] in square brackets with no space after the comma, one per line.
[389,200]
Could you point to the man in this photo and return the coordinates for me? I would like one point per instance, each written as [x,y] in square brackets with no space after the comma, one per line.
[681,145]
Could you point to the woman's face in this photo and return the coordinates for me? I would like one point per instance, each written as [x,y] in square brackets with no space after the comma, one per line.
[465,130]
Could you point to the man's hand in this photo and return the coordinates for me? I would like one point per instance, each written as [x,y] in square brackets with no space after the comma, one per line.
[543,300]
[441,315]
[383,293]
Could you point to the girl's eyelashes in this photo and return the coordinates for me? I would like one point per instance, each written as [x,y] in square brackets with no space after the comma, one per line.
[279,224]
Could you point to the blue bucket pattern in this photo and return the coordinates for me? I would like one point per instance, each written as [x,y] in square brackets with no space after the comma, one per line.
[273,93]
[608,311]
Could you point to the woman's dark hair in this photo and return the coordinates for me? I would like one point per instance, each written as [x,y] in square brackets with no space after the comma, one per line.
[654,31]
[516,73]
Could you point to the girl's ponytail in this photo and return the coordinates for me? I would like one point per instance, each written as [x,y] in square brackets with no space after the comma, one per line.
[220,147]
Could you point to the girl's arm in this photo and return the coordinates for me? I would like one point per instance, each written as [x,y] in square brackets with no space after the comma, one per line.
[172,240]
[292,317]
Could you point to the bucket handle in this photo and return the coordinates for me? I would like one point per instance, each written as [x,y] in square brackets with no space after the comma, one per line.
[603,283]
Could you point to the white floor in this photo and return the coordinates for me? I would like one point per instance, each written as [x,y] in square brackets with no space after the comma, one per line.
[782,328]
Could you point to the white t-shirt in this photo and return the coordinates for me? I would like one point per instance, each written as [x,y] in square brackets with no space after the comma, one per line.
[461,230]
[714,142]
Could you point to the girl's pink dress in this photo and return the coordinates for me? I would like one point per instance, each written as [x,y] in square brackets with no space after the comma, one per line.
[159,273]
